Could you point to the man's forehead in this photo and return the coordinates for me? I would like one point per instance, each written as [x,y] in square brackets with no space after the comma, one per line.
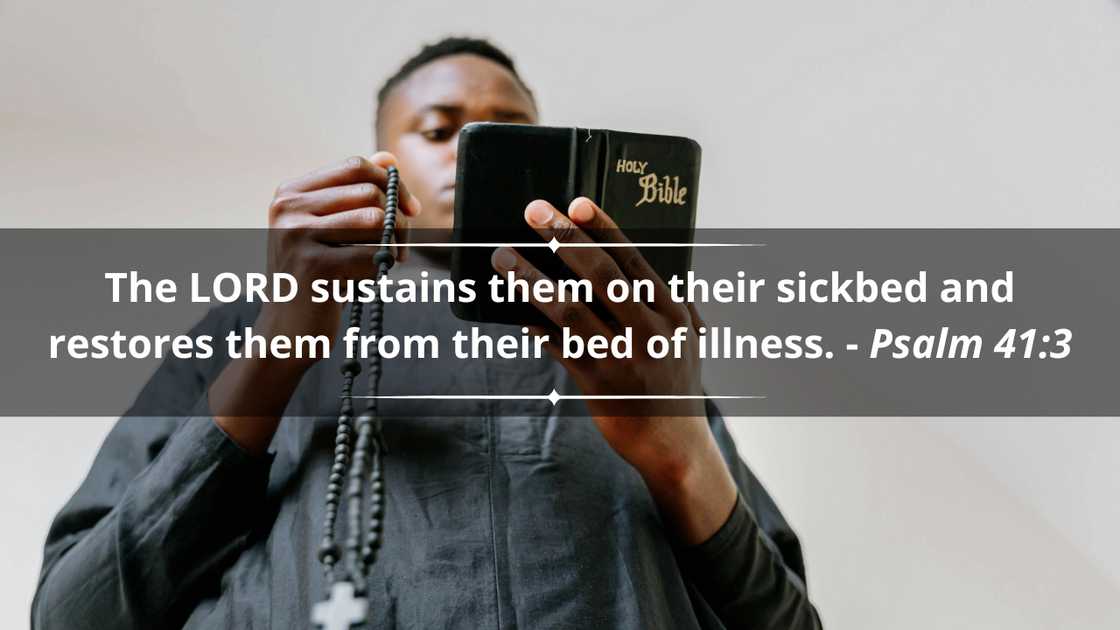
[465,80]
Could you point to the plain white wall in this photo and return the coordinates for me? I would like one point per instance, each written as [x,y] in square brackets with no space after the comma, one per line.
[882,113]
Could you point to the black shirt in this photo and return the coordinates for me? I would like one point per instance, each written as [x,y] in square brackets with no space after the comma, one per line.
[502,516]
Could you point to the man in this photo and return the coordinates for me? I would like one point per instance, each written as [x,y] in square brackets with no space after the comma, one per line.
[207,513]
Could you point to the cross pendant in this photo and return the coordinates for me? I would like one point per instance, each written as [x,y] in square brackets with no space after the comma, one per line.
[342,610]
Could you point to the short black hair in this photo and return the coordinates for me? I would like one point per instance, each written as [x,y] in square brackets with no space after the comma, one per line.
[445,48]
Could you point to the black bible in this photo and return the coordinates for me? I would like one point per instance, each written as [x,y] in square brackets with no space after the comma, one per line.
[647,184]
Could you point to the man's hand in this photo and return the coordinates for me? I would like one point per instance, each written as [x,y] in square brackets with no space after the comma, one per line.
[312,221]
[667,441]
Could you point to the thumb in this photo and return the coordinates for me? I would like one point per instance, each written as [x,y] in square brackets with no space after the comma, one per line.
[408,201]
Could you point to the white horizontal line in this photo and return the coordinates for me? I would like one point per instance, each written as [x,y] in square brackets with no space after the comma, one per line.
[546,397]
[660,397]
[555,397]
[560,245]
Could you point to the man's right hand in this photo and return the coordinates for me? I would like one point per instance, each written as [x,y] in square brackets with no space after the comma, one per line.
[312,220]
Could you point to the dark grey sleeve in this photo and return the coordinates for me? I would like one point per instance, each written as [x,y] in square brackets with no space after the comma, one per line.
[750,572]
[168,501]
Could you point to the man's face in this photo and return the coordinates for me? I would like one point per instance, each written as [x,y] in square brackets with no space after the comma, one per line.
[421,118]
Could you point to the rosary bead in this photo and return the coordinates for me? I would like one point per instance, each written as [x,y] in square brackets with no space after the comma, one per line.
[351,367]
[384,257]
[358,441]
[328,551]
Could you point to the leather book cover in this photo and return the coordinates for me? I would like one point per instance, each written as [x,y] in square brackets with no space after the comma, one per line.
[647,183]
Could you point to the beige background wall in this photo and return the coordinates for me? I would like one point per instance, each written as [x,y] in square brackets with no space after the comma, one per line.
[882,113]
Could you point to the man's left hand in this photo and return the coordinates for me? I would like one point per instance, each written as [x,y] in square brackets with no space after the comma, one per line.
[667,440]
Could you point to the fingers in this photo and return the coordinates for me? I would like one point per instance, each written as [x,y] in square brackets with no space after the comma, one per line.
[591,218]
[553,348]
[360,226]
[587,261]
[408,203]
[344,203]
[352,263]
[355,170]
[318,260]
[697,321]
[584,221]
[575,316]
[327,201]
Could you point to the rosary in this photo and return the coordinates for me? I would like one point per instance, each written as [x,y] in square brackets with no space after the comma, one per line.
[358,449]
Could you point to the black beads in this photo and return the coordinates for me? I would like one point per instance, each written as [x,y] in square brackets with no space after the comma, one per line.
[359,444]
[384,257]
[328,551]
[351,367]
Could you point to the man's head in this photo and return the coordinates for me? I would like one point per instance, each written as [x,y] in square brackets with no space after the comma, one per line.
[421,108]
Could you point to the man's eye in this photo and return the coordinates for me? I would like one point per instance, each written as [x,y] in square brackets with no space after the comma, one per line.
[437,134]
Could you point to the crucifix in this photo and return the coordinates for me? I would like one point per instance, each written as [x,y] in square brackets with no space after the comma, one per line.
[342,611]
